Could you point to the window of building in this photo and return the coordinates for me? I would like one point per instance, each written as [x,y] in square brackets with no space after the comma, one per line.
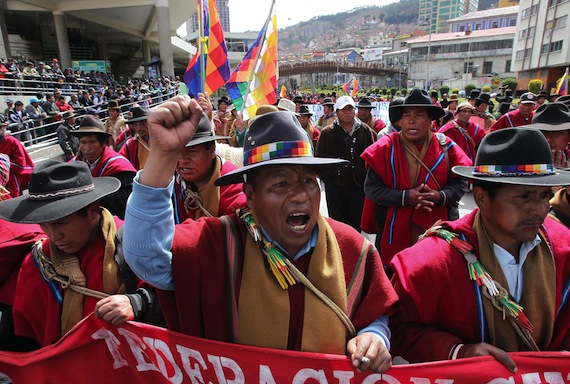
[560,21]
[512,22]
[462,28]
[555,46]
[523,53]
[508,66]
[478,26]
[552,3]
[495,24]
[527,12]
[487,67]
[468,67]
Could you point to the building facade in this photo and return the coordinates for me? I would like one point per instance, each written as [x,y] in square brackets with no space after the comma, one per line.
[223,14]
[460,58]
[434,15]
[488,19]
[540,49]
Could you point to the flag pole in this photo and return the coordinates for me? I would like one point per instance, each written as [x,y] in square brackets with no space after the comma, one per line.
[566,82]
[257,56]
[202,57]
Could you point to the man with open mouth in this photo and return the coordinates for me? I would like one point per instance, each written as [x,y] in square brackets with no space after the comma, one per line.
[275,274]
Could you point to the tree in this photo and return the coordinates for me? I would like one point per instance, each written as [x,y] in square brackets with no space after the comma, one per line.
[455,91]
[535,86]
[510,82]
[468,88]
[486,89]
[393,91]
[444,89]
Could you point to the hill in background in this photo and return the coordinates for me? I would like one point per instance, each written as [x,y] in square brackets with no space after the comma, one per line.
[353,28]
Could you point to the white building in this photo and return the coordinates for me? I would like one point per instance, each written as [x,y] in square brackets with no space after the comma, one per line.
[459,58]
[488,19]
[541,44]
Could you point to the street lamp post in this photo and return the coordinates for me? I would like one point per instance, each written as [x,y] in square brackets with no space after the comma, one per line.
[428,57]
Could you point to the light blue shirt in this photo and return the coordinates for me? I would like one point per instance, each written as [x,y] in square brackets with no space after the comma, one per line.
[512,270]
[147,241]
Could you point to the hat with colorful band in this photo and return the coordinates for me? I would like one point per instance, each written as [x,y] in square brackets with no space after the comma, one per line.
[515,156]
[277,138]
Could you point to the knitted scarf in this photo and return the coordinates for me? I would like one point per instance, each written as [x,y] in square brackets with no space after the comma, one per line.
[264,307]
[538,298]
[68,265]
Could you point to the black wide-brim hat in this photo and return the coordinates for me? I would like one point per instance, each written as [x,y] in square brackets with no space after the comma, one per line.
[418,98]
[137,114]
[57,190]
[515,156]
[554,116]
[204,133]
[277,138]
[90,125]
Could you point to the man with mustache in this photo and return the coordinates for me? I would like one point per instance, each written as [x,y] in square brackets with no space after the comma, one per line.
[274,275]
[496,280]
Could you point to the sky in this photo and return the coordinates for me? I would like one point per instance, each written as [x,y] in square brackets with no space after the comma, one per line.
[251,14]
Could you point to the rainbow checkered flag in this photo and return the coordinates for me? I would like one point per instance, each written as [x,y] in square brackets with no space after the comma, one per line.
[254,80]
[212,53]
[355,87]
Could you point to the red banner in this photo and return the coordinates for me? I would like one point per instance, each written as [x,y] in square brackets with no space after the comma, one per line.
[98,352]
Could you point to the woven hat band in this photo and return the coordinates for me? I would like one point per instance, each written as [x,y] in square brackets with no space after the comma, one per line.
[513,170]
[61,193]
[277,150]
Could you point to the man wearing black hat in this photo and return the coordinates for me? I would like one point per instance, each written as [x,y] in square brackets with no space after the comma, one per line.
[68,143]
[521,116]
[494,281]
[198,166]
[307,123]
[137,147]
[329,115]
[364,113]
[409,175]
[463,131]
[274,275]
[346,138]
[104,161]
[81,252]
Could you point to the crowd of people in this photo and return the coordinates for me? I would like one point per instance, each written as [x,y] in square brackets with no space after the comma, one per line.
[189,217]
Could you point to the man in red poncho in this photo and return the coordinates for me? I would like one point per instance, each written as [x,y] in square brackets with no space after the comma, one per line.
[231,278]
[409,175]
[496,280]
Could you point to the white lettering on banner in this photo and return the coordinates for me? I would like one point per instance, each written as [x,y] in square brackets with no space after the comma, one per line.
[378,378]
[137,347]
[157,346]
[534,378]
[194,372]
[220,363]
[343,377]
[307,373]
[265,375]
[113,345]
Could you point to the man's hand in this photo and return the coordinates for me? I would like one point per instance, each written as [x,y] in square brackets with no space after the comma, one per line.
[206,104]
[429,198]
[559,159]
[171,126]
[115,309]
[367,352]
[173,123]
[484,349]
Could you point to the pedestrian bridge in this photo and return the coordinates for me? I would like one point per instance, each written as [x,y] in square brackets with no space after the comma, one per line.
[329,66]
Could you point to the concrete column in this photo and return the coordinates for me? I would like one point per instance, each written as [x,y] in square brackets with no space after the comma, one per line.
[164,34]
[62,39]
[4,43]
[146,51]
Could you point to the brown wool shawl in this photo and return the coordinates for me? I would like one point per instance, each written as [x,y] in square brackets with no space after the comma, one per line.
[68,265]
[264,307]
[538,298]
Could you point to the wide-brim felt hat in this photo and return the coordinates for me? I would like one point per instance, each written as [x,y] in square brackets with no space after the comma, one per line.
[224,99]
[474,93]
[483,98]
[67,115]
[204,133]
[298,99]
[57,190]
[304,110]
[90,125]
[327,101]
[564,99]
[515,156]
[364,102]
[554,116]
[277,138]
[137,114]
[114,104]
[417,98]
